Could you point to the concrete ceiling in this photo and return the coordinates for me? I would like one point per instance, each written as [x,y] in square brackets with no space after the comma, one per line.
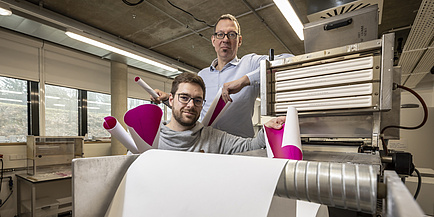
[159,27]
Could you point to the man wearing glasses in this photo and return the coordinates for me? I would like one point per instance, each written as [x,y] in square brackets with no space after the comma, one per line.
[185,133]
[238,77]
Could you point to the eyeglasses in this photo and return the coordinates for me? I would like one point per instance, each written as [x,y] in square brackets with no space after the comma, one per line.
[185,99]
[230,35]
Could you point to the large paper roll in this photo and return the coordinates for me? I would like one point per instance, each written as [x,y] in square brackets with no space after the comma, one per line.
[148,89]
[216,110]
[191,184]
[291,137]
[117,131]
[144,124]
[285,142]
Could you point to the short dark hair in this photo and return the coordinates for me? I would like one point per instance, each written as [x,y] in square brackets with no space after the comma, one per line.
[187,77]
[228,17]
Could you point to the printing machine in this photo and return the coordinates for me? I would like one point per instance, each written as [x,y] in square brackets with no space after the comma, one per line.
[345,96]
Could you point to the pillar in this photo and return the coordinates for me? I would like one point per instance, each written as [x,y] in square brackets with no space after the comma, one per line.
[119,95]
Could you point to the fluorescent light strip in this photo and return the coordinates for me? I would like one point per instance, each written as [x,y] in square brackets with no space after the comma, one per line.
[290,15]
[5,10]
[118,51]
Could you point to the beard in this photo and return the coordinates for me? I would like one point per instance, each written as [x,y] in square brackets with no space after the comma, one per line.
[184,121]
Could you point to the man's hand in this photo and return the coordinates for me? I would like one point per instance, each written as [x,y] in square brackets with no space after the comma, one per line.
[276,123]
[234,87]
[163,96]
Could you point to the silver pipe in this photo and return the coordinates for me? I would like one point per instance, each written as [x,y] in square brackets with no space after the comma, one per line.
[342,185]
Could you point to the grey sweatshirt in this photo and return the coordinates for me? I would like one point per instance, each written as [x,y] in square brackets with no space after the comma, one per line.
[208,140]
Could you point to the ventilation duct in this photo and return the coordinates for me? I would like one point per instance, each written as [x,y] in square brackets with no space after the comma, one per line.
[417,56]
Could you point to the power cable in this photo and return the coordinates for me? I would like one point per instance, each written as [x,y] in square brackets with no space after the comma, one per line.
[425,118]
[173,5]
[132,4]
[419,183]
[11,184]
[211,26]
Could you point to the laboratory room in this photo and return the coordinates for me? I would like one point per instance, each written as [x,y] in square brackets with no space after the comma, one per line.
[235,108]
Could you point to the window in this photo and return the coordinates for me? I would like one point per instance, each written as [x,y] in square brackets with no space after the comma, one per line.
[132,103]
[98,107]
[13,110]
[61,111]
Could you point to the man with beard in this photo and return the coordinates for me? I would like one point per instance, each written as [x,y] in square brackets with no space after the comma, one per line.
[185,133]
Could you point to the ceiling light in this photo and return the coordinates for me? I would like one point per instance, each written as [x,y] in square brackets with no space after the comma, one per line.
[118,51]
[5,10]
[290,16]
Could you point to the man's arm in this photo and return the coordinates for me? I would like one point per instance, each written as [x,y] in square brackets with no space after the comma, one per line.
[234,87]
[163,96]
[234,144]
[252,77]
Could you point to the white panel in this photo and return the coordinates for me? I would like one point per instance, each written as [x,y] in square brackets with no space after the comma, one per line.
[414,79]
[77,70]
[320,93]
[408,60]
[153,80]
[426,62]
[324,104]
[419,39]
[19,56]
[324,69]
[404,78]
[422,30]
[341,78]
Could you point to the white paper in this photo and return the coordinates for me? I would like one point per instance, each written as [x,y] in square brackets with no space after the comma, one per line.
[212,108]
[267,145]
[145,86]
[285,143]
[121,134]
[310,209]
[291,133]
[143,146]
[171,183]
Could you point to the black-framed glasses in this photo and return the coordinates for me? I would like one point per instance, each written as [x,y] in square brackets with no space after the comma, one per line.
[230,35]
[185,99]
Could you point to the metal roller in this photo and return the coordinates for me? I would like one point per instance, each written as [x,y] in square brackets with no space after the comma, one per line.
[342,185]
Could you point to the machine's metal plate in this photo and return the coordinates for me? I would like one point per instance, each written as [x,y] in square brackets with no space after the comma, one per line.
[95,181]
[335,157]
[357,26]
